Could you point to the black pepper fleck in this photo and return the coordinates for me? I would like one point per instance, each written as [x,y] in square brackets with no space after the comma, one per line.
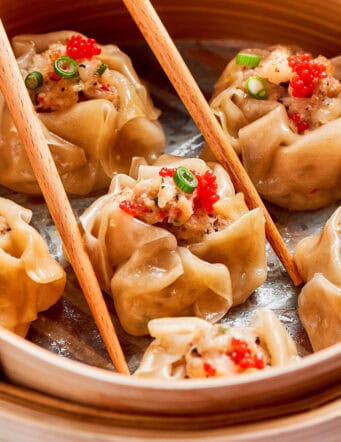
[195,352]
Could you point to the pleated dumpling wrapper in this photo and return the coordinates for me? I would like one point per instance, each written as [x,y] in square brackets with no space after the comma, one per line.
[282,114]
[96,114]
[190,347]
[162,251]
[318,258]
[30,279]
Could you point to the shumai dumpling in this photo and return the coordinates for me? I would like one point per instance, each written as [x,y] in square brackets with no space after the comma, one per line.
[174,240]
[283,116]
[318,258]
[96,114]
[190,347]
[30,279]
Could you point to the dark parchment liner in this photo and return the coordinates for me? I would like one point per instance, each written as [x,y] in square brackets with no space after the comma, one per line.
[68,328]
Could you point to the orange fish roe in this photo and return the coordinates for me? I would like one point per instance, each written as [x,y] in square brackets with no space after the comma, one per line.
[244,356]
[79,47]
[307,74]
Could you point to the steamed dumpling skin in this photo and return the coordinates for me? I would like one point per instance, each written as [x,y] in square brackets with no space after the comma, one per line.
[31,281]
[318,258]
[182,347]
[90,140]
[168,284]
[151,273]
[293,170]
[319,307]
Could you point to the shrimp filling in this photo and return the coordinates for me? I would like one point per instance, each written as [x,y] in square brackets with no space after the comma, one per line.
[305,86]
[189,216]
[225,351]
[91,79]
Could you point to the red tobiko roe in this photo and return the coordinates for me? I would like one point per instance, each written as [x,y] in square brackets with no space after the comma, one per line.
[301,125]
[167,171]
[54,76]
[128,207]
[80,47]
[209,369]
[207,190]
[307,74]
[244,356]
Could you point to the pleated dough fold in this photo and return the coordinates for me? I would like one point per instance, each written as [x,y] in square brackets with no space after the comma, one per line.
[30,279]
[150,275]
[189,347]
[318,258]
[295,171]
[91,139]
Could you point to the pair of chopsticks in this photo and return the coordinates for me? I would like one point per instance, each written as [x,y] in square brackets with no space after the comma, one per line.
[29,129]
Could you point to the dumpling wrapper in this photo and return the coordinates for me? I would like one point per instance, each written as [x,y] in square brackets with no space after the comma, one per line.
[30,279]
[174,338]
[321,253]
[318,258]
[319,308]
[298,172]
[154,284]
[150,276]
[240,248]
[90,140]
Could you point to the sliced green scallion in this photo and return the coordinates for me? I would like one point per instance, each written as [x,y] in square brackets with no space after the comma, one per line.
[251,60]
[257,87]
[33,80]
[102,68]
[66,67]
[185,180]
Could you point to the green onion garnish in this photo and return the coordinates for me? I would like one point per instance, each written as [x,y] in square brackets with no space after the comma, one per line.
[66,67]
[33,80]
[223,329]
[102,68]
[257,87]
[185,180]
[251,60]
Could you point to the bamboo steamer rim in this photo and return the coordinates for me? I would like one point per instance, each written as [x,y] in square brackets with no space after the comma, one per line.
[304,23]
[330,358]
[36,414]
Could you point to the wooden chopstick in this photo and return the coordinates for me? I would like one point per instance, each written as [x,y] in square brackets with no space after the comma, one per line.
[178,73]
[29,128]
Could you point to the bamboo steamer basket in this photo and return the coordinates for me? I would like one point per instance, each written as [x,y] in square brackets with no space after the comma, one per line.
[56,398]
